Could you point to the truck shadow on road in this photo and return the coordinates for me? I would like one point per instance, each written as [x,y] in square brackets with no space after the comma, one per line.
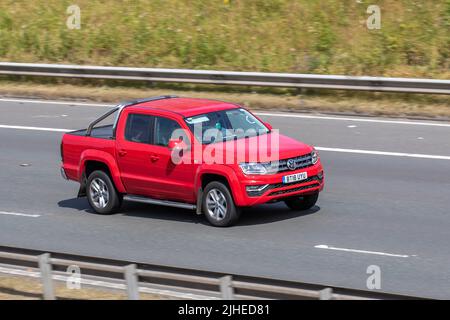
[270,213]
[262,214]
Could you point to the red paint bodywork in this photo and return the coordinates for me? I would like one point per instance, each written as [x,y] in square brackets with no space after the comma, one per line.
[138,173]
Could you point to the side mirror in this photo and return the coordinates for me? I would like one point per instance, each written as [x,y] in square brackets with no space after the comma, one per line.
[268,125]
[175,144]
[177,148]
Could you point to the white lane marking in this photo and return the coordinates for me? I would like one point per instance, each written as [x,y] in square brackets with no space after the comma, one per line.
[43,116]
[356,151]
[322,246]
[20,214]
[2,126]
[295,115]
[64,103]
[384,153]
[268,114]
[105,284]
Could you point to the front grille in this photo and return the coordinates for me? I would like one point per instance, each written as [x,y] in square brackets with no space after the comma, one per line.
[277,193]
[301,162]
[281,185]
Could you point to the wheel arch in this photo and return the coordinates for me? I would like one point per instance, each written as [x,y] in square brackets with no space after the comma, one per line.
[222,174]
[92,160]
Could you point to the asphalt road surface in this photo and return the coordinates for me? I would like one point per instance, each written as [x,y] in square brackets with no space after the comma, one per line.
[386,203]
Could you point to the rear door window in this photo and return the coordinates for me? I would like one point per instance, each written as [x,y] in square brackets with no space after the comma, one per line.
[139,128]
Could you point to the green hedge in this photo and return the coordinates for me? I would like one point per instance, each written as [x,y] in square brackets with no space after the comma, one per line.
[302,36]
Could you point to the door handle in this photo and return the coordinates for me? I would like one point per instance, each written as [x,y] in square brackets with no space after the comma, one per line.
[154,158]
[122,153]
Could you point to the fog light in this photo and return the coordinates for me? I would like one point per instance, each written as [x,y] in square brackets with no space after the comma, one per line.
[256,190]
[320,175]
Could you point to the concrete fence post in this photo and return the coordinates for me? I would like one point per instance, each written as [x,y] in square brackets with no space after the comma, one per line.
[131,278]
[46,276]
[226,288]
[326,294]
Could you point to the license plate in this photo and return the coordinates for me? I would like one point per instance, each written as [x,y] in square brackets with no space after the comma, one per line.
[295,177]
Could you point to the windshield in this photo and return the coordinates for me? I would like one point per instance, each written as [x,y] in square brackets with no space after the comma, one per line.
[225,125]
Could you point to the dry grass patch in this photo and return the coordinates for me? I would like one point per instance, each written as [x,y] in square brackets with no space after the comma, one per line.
[378,104]
[27,288]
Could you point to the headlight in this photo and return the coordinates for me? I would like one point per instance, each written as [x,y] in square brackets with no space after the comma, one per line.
[314,157]
[253,168]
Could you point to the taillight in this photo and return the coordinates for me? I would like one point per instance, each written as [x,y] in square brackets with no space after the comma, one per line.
[62,152]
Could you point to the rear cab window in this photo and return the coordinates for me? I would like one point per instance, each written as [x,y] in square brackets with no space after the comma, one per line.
[102,128]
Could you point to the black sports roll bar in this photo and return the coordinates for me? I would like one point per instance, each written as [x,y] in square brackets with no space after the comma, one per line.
[122,106]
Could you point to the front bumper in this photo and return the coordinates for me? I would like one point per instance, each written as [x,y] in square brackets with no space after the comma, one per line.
[276,190]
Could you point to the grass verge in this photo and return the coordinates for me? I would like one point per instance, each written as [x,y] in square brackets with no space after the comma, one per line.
[25,288]
[299,36]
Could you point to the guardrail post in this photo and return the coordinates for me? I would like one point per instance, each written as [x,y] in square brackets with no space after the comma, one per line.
[46,276]
[226,288]
[131,278]
[326,294]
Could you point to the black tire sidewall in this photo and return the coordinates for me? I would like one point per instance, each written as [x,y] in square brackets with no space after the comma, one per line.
[232,214]
[114,199]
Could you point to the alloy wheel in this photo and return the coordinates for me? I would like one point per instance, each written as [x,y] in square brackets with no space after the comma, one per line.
[99,193]
[216,204]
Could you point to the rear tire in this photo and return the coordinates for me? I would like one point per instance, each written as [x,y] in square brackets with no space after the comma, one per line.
[302,202]
[218,205]
[101,193]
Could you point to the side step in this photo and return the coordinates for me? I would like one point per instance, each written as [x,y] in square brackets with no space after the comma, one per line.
[160,202]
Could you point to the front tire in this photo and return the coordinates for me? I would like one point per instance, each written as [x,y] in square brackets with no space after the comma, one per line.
[302,202]
[101,193]
[218,205]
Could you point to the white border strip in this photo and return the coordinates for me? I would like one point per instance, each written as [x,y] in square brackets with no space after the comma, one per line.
[268,114]
[354,151]
[296,115]
[384,153]
[19,214]
[63,103]
[33,128]
[322,246]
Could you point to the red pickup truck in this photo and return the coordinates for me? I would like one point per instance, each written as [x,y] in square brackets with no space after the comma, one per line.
[210,156]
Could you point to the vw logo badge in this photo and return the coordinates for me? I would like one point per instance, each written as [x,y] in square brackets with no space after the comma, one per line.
[291,164]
